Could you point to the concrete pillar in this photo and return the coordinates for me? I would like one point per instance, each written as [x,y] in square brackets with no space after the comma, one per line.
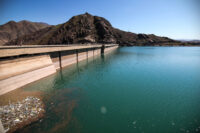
[102,49]
[87,53]
[60,59]
[77,56]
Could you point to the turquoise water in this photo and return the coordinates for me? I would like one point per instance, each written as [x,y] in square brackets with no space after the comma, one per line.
[131,90]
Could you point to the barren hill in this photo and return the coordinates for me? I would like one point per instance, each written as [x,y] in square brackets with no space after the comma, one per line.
[86,28]
[13,30]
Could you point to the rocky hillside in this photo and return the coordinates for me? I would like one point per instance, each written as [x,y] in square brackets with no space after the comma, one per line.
[13,30]
[86,28]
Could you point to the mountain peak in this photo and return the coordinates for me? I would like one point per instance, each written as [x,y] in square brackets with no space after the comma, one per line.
[24,21]
[12,30]
[86,28]
[11,22]
[86,13]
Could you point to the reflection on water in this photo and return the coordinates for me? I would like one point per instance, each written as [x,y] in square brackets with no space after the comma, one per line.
[133,89]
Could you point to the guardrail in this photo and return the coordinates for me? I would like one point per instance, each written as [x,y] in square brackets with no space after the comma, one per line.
[8,51]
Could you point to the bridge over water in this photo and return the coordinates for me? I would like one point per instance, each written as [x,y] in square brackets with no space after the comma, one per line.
[20,65]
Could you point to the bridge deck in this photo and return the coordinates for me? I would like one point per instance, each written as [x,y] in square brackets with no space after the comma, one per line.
[8,51]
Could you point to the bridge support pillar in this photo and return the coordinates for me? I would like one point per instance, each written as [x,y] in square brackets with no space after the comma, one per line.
[77,56]
[102,49]
[60,59]
[87,53]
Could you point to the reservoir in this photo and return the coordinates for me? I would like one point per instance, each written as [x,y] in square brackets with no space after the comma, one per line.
[131,89]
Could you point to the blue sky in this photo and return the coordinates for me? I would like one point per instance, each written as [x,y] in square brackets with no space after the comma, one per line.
[177,19]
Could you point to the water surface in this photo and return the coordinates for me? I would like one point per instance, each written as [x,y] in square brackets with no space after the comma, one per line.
[132,89]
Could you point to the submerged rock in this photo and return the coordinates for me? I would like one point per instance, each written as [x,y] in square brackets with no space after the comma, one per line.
[17,115]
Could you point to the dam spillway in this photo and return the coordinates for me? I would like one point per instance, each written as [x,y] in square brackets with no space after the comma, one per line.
[21,65]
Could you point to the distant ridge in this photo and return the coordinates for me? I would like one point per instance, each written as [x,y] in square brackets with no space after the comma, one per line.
[86,28]
[13,30]
[190,41]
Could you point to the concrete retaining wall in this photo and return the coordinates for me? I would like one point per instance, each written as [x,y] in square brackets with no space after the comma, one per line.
[19,71]
[13,67]
[72,58]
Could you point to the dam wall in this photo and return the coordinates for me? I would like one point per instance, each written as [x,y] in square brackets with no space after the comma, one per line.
[20,66]
[66,58]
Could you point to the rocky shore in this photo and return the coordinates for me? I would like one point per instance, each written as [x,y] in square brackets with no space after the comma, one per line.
[19,114]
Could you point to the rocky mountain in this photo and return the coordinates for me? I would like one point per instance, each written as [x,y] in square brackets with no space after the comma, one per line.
[13,30]
[86,28]
[190,41]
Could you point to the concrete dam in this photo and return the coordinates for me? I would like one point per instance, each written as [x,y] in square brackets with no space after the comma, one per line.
[21,65]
